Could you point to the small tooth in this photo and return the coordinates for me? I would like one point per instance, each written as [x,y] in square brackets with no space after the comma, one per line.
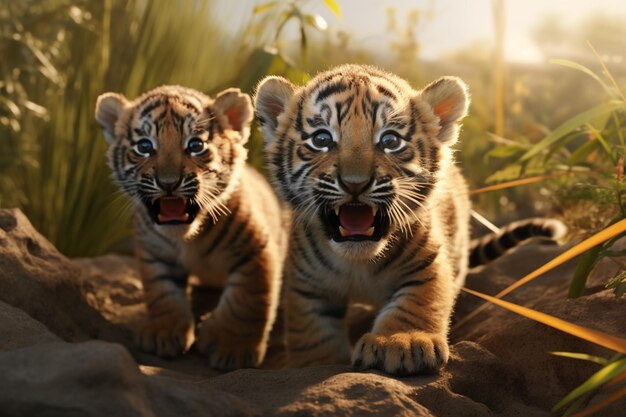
[160,218]
[187,217]
[370,231]
[343,231]
[337,210]
[374,211]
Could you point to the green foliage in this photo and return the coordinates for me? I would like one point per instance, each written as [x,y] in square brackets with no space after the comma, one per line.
[611,369]
[66,54]
[590,146]
[618,284]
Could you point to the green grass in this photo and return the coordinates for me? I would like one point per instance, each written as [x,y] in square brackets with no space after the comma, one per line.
[54,168]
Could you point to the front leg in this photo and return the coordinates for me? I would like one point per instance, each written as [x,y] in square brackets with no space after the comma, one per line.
[316,326]
[409,335]
[168,331]
[236,333]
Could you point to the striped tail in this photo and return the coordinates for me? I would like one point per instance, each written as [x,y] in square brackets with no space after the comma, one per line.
[487,248]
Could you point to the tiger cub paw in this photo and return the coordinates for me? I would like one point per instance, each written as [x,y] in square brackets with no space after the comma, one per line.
[401,354]
[167,336]
[228,350]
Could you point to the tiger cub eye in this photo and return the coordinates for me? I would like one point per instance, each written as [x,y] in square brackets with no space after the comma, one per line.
[322,139]
[390,141]
[195,146]
[144,147]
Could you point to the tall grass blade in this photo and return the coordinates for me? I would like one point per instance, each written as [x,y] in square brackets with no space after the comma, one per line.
[584,69]
[582,356]
[618,379]
[610,399]
[516,183]
[608,341]
[585,245]
[601,110]
[583,269]
[607,72]
[596,380]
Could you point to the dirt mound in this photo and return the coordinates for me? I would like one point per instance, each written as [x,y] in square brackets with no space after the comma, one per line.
[52,309]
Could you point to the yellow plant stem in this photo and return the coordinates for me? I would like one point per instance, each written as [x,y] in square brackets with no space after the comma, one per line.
[606,340]
[515,183]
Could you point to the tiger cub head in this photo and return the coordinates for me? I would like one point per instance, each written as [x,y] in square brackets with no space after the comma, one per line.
[176,151]
[357,152]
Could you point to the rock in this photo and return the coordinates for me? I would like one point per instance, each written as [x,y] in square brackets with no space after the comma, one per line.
[18,329]
[500,363]
[100,379]
[36,278]
[525,345]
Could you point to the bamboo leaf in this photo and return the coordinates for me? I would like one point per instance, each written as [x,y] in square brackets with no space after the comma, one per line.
[334,7]
[601,110]
[582,356]
[596,380]
[594,336]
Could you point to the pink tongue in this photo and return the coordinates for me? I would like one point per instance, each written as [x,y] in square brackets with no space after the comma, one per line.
[172,208]
[356,219]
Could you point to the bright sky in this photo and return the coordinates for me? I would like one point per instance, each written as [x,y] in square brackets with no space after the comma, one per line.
[457,24]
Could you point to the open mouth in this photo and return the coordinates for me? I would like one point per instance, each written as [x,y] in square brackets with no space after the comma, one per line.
[172,210]
[355,222]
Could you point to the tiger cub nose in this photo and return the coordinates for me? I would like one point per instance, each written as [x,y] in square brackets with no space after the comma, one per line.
[354,188]
[169,185]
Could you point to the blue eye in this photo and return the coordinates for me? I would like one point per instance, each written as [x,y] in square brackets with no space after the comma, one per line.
[195,146]
[389,141]
[144,147]
[322,140]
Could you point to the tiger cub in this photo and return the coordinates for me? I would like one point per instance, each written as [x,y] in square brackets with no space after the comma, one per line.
[198,210]
[381,213]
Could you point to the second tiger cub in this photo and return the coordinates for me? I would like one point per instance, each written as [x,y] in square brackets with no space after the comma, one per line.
[199,210]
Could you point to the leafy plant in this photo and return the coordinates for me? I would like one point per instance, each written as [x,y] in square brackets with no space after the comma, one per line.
[612,369]
[590,148]
[66,53]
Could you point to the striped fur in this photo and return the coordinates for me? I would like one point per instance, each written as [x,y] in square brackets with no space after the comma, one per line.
[412,272]
[414,262]
[494,245]
[236,240]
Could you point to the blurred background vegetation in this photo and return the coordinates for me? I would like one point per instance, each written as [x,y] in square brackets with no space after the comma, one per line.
[59,55]
[548,130]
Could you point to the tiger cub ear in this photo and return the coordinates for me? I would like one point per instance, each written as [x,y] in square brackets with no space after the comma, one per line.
[236,107]
[272,96]
[109,108]
[449,100]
